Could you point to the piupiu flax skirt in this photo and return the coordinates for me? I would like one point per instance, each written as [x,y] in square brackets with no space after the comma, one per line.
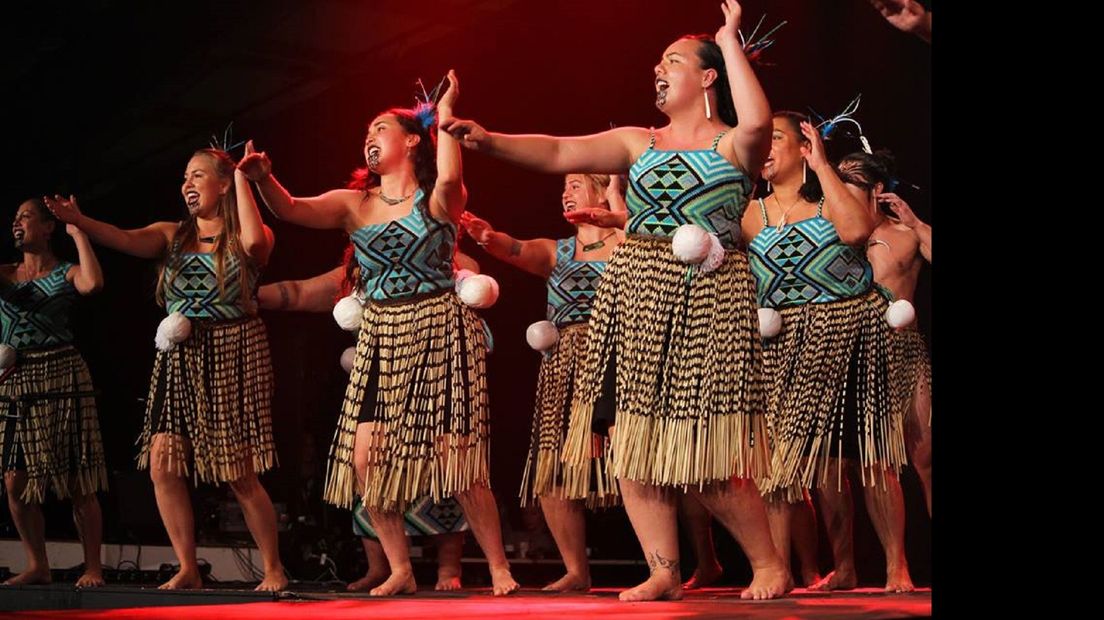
[834,373]
[215,391]
[673,360]
[49,426]
[560,374]
[419,378]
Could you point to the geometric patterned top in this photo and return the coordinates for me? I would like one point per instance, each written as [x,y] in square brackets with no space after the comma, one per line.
[806,263]
[572,285]
[670,188]
[194,290]
[35,313]
[409,256]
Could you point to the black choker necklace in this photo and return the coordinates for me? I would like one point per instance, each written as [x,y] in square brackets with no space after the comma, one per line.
[210,239]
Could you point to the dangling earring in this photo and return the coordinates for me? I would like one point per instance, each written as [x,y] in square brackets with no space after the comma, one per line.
[769,188]
[708,112]
[804,172]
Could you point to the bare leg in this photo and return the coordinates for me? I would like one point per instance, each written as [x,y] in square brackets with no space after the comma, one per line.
[918,433]
[89,522]
[449,549]
[886,506]
[839,521]
[803,535]
[567,521]
[260,517]
[388,525]
[738,505]
[392,536]
[482,514]
[699,526]
[175,506]
[780,518]
[32,531]
[653,514]
[377,566]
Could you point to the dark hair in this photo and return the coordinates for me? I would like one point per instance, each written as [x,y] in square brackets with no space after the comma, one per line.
[228,242]
[710,56]
[350,283]
[810,190]
[425,153]
[865,170]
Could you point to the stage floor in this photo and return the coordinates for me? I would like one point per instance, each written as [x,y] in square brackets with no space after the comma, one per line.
[310,600]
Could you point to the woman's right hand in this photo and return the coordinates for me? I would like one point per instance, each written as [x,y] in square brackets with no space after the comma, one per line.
[255,166]
[479,229]
[470,134]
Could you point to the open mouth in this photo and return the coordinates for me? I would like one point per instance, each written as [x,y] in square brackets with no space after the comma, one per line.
[373,156]
[18,233]
[191,198]
[661,91]
[569,205]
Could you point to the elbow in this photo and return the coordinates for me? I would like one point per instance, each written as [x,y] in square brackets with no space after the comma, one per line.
[450,182]
[91,288]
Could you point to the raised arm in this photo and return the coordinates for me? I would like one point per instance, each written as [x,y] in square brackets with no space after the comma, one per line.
[256,238]
[86,275]
[609,152]
[909,219]
[148,242]
[449,194]
[536,256]
[852,218]
[330,210]
[751,136]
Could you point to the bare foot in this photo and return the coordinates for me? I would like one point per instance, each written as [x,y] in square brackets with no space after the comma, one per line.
[91,579]
[30,577]
[899,580]
[447,584]
[503,581]
[397,583]
[184,580]
[367,582]
[768,583]
[569,583]
[810,578]
[703,577]
[840,579]
[273,581]
[661,586]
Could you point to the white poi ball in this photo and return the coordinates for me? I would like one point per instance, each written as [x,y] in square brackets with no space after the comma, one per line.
[691,243]
[770,322]
[347,312]
[348,356]
[479,291]
[900,313]
[173,329]
[542,335]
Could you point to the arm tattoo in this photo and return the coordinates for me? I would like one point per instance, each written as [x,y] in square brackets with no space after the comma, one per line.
[515,249]
[285,301]
[657,562]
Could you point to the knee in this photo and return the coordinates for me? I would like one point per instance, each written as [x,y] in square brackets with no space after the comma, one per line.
[246,487]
